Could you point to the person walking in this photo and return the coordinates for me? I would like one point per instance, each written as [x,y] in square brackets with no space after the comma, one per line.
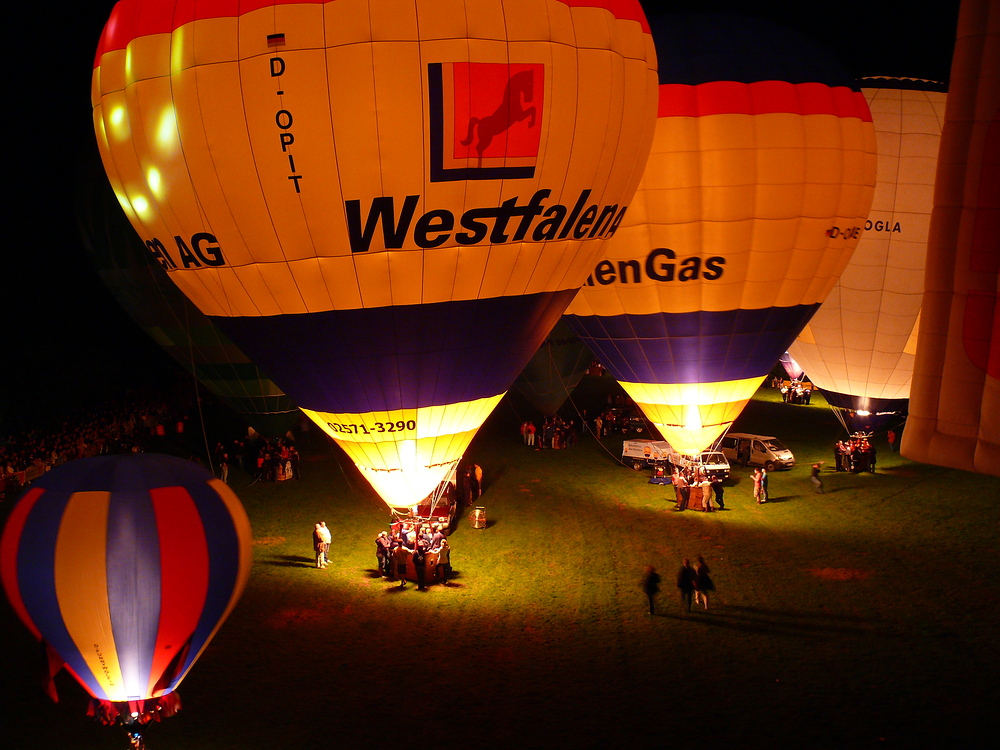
[685,582]
[703,583]
[814,476]
[651,586]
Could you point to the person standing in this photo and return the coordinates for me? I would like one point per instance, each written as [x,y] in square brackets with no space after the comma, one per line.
[703,583]
[651,586]
[444,561]
[757,476]
[763,485]
[683,490]
[326,538]
[871,458]
[383,553]
[685,582]
[419,558]
[224,467]
[814,476]
[477,471]
[719,489]
[891,437]
[318,547]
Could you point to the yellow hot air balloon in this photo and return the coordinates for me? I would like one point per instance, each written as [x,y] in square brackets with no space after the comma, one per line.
[760,177]
[385,205]
[955,397]
[859,346]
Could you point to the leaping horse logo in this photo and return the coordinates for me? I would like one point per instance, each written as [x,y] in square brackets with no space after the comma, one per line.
[520,88]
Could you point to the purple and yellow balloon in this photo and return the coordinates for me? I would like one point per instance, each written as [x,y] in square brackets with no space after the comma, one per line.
[759,181]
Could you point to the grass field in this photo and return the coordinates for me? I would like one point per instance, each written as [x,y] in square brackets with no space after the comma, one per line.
[866,616]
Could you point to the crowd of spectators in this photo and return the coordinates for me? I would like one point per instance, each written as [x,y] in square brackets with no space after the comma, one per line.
[132,424]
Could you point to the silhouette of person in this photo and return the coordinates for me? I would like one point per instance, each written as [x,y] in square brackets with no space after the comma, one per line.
[651,585]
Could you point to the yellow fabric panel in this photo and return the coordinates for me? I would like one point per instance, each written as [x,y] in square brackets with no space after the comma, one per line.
[392,21]
[405,272]
[405,465]
[80,576]
[313,282]
[911,341]
[228,161]
[692,393]
[303,22]
[399,91]
[690,442]
[211,41]
[147,57]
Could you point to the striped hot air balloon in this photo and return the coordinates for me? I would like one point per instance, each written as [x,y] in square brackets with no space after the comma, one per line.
[760,178]
[858,349]
[386,206]
[126,566]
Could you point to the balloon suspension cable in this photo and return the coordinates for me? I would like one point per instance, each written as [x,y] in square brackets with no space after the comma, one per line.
[841,418]
[197,392]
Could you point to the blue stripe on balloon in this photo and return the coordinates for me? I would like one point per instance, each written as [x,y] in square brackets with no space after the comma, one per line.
[400,357]
[133,575]
[694,347]
[698,48]
[223,567]
[36,580]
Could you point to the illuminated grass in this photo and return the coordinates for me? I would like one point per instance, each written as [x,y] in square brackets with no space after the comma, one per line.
[868,612]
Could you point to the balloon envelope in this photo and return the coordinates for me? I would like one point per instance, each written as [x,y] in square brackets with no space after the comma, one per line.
[555,370]
[955,397]
[385,205]
[143,289]
[761,173]
[859,346]
[126,566]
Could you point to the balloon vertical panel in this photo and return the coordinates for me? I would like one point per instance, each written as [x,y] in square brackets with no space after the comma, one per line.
[859,346]
[386,206]
[761,173]
[954,415]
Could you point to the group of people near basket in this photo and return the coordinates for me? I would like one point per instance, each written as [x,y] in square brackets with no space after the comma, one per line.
[796,392]
[554,433]
[688,479]
[414,550]
[856,454]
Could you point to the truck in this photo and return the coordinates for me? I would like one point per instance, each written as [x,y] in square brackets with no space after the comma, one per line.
[641,453]
[659,453]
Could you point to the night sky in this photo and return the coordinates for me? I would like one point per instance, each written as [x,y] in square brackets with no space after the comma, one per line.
[66,341]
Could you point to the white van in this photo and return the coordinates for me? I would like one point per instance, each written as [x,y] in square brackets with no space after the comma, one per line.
[759,450]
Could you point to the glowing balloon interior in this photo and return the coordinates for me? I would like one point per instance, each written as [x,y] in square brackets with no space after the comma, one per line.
[760,177]
[385,205]
[126,566]
[859,346]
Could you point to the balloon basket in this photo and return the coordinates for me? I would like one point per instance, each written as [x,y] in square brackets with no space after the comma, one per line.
[131,713]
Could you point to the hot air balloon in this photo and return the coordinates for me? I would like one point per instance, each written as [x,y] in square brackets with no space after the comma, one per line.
[386,206]
[126,566]
[858,348]
[955,396]
[760,176]
[554,370]
[142,288]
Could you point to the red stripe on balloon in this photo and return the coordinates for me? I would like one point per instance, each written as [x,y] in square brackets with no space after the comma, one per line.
[131,19]
[183,574]
[8,555]
[759,98]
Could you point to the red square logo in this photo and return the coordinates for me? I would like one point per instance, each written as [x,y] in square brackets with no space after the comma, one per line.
[486,119]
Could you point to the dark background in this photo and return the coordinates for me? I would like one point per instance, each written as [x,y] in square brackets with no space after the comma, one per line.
[66,342]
